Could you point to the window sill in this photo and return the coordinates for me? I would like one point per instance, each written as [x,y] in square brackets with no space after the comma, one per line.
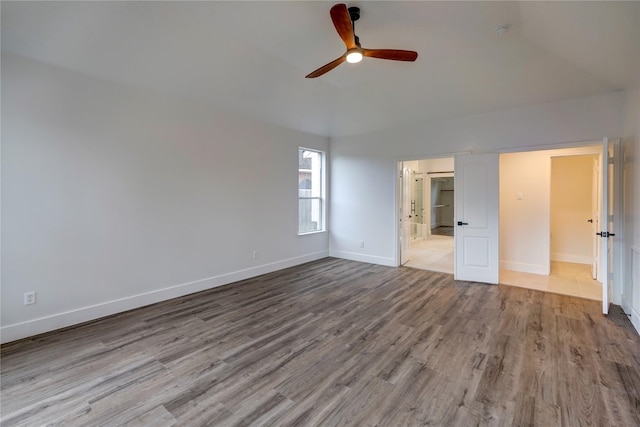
[306,233]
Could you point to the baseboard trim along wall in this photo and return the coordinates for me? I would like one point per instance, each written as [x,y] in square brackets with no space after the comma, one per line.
[62,320]
[577,259]
[371,259]
[524,267]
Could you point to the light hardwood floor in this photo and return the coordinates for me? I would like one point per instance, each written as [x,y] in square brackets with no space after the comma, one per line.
[334,342]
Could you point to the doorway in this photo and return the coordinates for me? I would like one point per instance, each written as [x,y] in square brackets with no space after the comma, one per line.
[442,205]
[549,213]
[426,212]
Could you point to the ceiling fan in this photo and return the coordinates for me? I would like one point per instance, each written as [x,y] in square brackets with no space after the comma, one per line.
[344,20]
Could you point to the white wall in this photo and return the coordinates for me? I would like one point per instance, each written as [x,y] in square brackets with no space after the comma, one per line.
[364,176]
[525,211]
[525,208]
[571,207]
[113,198]
[444,164]
[630,293]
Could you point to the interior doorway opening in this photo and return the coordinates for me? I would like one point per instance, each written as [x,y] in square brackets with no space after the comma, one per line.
[522,236]
[426,212]
[550,202]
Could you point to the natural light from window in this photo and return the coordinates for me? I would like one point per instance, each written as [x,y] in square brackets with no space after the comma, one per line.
[310,191]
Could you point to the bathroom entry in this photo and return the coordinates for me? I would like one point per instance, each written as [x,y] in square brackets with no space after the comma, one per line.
[426,214]
[416,208]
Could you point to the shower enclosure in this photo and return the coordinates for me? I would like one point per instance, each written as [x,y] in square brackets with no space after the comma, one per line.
[417,206]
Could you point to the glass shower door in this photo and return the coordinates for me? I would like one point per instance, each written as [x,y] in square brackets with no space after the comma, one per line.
[417,206]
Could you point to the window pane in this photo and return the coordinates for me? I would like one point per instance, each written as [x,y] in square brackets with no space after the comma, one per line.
[310,191]
[309,215]
[309,173]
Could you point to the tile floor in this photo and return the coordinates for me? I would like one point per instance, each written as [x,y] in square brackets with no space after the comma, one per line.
[436,254]
[566,278]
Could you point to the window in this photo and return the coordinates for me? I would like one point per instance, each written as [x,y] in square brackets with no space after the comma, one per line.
[310,191]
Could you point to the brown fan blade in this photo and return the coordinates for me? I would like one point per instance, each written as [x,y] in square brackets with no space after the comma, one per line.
[393,54]
[342,22]
[326,68]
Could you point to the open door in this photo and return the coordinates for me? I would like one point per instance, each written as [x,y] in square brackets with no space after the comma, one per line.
[607,220]
[405,212]
[596,202]
[476,216]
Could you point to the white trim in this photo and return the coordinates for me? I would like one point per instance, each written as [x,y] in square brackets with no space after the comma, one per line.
[524,267]
[577,259]
[371,259]
[61,320]
[306,233]
[585,147]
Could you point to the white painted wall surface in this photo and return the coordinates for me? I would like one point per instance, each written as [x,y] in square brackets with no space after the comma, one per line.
[444,164]
[630,293]
[524,211]
[571,208]
[114,198]
[525,207]
[364,180]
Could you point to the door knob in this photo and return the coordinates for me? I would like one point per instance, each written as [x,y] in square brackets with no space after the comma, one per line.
[590,220]
[462,223]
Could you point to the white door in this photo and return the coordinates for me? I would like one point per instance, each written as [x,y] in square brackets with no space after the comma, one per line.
[595,219]
[476,217]
[607,216]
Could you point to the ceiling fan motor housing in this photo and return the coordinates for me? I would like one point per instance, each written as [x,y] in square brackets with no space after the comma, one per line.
[354,13]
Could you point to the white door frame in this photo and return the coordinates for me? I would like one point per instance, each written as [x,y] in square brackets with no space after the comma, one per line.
[611,222]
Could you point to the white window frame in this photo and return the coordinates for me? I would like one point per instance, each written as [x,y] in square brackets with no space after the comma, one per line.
[322,192]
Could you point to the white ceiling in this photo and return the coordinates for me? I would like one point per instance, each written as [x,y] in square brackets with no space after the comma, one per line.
[251,57]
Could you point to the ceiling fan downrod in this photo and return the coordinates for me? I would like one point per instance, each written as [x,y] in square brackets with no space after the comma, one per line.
[354,15]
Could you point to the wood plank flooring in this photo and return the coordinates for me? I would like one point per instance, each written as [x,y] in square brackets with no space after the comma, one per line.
[331,343]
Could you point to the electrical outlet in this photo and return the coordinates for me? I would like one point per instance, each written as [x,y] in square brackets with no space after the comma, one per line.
[29,298]
[362,243]
[255,254]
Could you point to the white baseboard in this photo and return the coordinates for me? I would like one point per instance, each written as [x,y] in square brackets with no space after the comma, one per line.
[371,259]
[84,314]
[577,259]
[635,319]
[524,267]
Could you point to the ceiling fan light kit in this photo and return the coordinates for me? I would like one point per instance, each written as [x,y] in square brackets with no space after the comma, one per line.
[344,19]
[354,56]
